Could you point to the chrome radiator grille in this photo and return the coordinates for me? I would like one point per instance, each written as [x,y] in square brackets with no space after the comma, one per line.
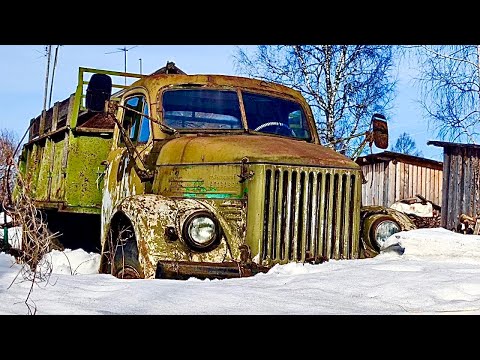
[310,214]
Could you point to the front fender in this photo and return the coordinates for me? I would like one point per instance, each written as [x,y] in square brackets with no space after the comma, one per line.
[370,215]
[151,216]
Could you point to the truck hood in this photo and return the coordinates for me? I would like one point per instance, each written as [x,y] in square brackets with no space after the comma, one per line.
[257,148]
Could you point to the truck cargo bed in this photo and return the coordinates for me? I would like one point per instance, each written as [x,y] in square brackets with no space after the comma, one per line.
[64,166]
[62,161]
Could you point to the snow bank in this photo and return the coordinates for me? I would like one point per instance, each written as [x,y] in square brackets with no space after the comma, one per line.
[437,242]
[6,261]
[74,262]
[294,269]
[434,279]
[69,262]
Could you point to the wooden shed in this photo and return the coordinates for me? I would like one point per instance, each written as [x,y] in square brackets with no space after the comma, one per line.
[461,179]
[391,176]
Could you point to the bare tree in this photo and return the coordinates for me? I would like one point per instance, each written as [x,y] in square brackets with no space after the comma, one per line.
[406,145]
[8,143]
[344,84]
[450,80]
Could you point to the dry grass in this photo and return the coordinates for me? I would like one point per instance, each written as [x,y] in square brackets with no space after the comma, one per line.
[37,240]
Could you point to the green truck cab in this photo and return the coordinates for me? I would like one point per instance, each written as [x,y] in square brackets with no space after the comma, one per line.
[209,176]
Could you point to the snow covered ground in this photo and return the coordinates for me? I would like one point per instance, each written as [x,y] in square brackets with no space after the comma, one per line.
[425,271]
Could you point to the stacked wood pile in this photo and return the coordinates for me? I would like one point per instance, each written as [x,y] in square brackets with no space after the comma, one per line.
[427,222]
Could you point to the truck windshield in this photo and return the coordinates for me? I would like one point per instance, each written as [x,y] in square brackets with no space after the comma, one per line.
[201,109]
[275,116]
[207,109]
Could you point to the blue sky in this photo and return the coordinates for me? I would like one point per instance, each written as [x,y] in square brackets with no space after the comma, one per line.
[22,74]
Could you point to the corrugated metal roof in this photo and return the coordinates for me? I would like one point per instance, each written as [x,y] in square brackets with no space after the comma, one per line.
[445,144]
[390,155]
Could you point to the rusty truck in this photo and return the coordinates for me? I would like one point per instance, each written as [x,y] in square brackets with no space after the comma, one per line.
[207,176]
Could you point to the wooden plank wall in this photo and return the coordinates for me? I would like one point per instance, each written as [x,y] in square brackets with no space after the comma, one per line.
[390,181]
[461,193]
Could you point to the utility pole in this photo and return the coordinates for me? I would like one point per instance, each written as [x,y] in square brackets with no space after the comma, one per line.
[53,75]
[49,53]
[478,71]
[124,49]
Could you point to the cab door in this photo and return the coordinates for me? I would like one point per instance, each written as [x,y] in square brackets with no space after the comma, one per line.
[121,179]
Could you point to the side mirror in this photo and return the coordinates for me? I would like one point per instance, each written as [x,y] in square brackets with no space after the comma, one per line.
[99,90]
[380,131]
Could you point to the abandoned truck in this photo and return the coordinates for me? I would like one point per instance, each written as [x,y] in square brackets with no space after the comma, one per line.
[208,176]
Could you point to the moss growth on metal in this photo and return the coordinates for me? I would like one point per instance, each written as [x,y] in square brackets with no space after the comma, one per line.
[44,172]
[84,168]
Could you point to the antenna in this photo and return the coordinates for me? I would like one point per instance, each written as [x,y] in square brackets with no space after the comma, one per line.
[125,50]
[140,65]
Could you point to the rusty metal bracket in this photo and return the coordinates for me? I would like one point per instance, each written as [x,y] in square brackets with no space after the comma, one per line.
[245,174]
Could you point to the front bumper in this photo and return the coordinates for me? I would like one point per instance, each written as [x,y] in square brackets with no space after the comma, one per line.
[182,270]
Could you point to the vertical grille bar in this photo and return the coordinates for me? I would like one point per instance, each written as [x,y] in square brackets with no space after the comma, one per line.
[288,216]
[296,226]
[338,213]
[314,222]
[356,223]
[329,216]
[270,206]
[307,215]
[347,218]
[321,184]
[278,214]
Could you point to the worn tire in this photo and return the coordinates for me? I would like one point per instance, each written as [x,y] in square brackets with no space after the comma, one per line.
[124,263]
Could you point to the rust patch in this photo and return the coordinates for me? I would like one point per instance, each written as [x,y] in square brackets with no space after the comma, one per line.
[203,270]
[98,121]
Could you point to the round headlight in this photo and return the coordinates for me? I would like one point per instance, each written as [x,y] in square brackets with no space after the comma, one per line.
[383,230]
[201,231]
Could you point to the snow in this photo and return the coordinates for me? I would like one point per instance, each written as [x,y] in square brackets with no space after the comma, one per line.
[424,271]
[418,209]
[73,262]
[2,218]
[15,237]
[437,243]
[14,233]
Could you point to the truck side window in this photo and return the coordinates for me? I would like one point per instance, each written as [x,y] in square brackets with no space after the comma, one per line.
[136,125]
[144,133]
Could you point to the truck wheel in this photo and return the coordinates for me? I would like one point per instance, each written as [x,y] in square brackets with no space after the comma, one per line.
[125,263]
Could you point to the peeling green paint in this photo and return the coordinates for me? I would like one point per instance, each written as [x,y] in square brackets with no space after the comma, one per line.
[211,196]
[63,171]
